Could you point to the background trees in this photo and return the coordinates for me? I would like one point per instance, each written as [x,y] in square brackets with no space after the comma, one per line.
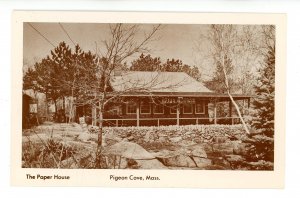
[147,63]
[65,73]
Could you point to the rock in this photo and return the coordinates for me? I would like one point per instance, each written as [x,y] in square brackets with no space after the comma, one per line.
[178,161]
[201,162]
[220,139]
[150,164]
[186,143]
[239,148]
[234,158]
[84,137]
[128,150]
[223,148]
[93,129]
[220,161]
[162,139]
[164,154]
[175,139]
[147,136]
[207,147]
[110,141]
[198,151]
[214,167]
[261,165]
[197,140]
[130,138]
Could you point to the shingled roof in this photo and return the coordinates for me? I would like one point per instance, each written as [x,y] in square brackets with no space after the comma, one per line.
[162,82]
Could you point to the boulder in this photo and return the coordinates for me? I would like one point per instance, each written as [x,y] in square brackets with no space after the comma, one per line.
[186,142]
[234,158]
[129,139]
[84,137]
[220,139]
[164,154]
[93,129]
[175,139]
[147,136]
[201,162]
[207,147]
[239,148]
[223,148]
[197,151]
[178,161]
[221,162]
[128,150]
[150,164]
[162,139]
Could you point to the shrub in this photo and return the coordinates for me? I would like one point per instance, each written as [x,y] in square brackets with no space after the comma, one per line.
[47,154]
[260,147]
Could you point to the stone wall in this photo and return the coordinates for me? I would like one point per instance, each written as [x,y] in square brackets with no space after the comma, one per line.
[189,133]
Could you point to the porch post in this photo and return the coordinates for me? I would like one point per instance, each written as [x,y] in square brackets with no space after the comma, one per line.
[177,113]
[138,113]
[215,112]
[230,112]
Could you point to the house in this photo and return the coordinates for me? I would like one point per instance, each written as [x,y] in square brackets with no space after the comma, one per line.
[29,111]
[161,98]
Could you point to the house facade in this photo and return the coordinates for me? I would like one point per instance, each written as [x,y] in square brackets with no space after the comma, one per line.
[163,98]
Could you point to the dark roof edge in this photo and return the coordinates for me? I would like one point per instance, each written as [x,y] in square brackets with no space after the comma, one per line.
[185,94]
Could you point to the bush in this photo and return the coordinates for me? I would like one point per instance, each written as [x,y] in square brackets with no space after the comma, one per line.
[47,154]
[260,147]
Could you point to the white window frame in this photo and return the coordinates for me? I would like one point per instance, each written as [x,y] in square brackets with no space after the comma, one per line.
[127,106]
[163,112]
[203,105]
[141,108]
[188,112]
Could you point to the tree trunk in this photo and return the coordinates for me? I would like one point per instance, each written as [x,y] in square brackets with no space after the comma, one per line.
[55,112]
[239,112]
[230,96]
[47,108]
[100,125]
[64,109]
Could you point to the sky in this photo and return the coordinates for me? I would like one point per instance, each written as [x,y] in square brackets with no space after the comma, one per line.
[178,41]
[173,41]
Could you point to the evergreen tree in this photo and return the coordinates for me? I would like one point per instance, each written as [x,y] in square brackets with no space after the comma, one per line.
[265,91]
[147,63]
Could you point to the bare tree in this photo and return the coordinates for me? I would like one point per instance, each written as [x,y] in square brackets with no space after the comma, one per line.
[223,45]
[125,40]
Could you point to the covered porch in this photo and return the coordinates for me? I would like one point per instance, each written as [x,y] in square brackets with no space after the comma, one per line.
[175,110]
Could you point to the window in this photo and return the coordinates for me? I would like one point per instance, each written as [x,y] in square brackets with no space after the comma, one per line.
[131,108]
[200,108]
[145,108]
[187,108]
[115,110]
[158,109]
[173,109]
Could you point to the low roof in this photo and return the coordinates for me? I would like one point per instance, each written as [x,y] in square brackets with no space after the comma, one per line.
[163,82]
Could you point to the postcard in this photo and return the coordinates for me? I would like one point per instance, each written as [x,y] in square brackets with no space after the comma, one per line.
[148,99]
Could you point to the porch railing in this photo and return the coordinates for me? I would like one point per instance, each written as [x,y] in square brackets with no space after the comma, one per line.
[162,121]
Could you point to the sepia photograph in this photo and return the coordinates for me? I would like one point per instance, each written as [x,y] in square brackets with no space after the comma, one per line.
[148,96]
